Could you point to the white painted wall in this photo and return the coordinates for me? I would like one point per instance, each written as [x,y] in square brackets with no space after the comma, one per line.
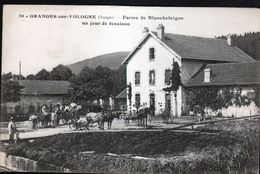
[140,62]
[237,111]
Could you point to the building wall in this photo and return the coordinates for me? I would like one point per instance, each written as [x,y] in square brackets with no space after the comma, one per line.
[140,62]
[239,111]
[35,100]
[188,69]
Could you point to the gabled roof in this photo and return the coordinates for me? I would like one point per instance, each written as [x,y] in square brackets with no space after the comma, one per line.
[122,94]
[43,87]
[228,74]
[197,48]
[143,41]
[193,47]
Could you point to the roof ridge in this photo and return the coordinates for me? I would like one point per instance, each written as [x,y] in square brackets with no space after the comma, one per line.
[233,63]
[196,36]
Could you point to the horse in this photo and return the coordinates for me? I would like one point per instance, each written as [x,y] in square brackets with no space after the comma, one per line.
[142,116]
[46,120]
[93,117]
[109,116]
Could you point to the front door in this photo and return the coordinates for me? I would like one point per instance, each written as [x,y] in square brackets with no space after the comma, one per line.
[168,101]
[152,104]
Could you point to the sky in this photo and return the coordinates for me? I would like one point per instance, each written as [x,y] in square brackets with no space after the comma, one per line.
[40,42]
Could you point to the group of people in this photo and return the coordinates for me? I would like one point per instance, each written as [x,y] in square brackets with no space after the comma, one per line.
[55,113]
[58,109]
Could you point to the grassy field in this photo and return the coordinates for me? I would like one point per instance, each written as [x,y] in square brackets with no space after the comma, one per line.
[233,149]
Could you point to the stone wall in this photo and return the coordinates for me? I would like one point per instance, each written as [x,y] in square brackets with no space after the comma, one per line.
[21,164]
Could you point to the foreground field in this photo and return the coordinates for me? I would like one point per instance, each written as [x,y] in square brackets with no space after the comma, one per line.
[233,149]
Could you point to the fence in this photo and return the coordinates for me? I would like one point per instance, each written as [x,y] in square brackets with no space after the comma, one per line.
[20,112]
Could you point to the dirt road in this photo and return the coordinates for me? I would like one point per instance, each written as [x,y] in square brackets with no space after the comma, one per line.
[26,131]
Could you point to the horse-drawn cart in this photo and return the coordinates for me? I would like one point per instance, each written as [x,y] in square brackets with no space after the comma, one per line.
[141,116]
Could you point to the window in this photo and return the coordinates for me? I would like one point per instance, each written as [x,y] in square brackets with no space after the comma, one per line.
[137,100]
[207,75]
[167,77]
[137,78]
[151,54]
[152,77]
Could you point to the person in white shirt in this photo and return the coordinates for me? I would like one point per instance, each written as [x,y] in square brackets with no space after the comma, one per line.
[12,130]
[45,110]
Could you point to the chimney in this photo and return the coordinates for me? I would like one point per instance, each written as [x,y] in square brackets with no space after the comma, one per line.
[207,75]
[160,31]
[229,41]
[146,30]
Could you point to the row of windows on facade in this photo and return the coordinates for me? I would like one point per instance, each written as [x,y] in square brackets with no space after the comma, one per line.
[152,100]
[167,78]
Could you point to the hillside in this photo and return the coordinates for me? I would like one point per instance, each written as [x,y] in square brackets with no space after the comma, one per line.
[111,60]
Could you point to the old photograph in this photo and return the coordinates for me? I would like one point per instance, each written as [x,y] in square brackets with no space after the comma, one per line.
[120,89]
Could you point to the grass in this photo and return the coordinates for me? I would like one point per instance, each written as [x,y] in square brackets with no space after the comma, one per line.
[234,149]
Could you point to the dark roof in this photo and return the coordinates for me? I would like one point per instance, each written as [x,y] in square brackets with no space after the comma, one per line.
[41,87]
[198,48]
[122,94]
[228,74]
[193,47]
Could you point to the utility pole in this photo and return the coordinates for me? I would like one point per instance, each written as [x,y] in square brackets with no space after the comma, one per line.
[20,70]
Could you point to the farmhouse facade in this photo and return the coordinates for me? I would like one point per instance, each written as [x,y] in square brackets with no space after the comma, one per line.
[149,66]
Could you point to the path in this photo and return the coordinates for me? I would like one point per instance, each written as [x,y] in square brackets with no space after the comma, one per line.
[26,131]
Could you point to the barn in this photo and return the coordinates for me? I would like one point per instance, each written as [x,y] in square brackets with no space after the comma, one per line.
[39,92]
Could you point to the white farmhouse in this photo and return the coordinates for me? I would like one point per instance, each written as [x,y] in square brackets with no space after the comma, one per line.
[149,66]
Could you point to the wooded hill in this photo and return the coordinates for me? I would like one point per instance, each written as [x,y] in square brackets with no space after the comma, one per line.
[111,61]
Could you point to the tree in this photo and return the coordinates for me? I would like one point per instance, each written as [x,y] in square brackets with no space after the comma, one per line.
[175,84]
[31,77]
[43,75]
[119,79]
[60,72]
[18,77]
[92,84]
[129,87]
[10,89]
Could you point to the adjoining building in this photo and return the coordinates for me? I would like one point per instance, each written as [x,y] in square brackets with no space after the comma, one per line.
[120,100]
[36,93]
[149,67]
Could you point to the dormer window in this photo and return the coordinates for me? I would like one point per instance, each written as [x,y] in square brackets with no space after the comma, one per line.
[151,54]
[207,75]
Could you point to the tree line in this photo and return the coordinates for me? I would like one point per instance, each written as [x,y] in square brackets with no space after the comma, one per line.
[89,84]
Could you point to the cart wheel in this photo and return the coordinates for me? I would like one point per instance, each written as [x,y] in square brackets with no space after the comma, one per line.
[72,126]
[65,121]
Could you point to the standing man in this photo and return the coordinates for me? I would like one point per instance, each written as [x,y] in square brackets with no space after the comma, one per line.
[33,118]
[12,130]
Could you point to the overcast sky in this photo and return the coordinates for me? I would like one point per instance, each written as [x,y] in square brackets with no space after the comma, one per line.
[46,42]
